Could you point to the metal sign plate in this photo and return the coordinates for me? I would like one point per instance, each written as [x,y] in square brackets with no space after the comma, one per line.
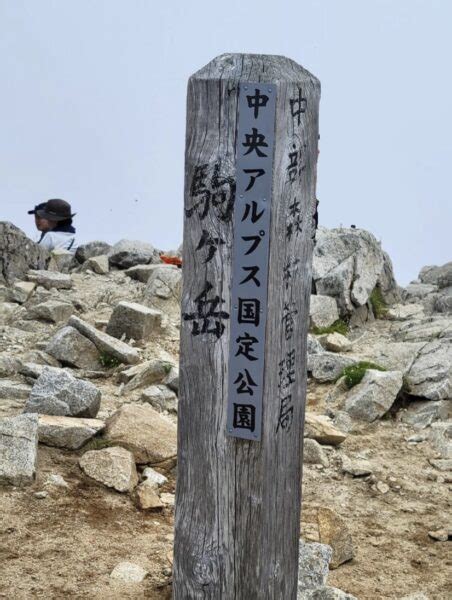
[254,168]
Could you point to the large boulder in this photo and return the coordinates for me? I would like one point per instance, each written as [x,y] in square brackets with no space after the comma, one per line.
[53,311]
[347,265]
[90,250]
[387,283]
[147,434]
[72,348]
[128,253]
[328,366]
[51,279]
[18,449]
[134,320]
[67,432]
[18,254]
[440,276]
[164,288]
[430,375]
[106,343]
[114,467]
[322,311]
[57,392]
[374,395]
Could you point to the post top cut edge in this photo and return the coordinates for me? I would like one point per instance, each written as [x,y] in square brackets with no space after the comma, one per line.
[266,68]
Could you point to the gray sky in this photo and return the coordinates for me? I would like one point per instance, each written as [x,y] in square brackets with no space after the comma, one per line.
[93,110]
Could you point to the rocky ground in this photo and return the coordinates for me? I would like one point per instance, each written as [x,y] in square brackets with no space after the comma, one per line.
[88,367]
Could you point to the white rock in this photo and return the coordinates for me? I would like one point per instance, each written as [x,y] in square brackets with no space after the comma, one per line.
[160,397]
[134,320]
[323,311]
[18,449]
[51,279]
[56,392]
[67,432]
[153,477]
[72,348]
[336,342]
[106,343]
[374,395]
[114,467]
[430,376]
[129,573]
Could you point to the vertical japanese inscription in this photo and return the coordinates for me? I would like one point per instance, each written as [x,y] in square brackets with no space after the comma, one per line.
[254,167]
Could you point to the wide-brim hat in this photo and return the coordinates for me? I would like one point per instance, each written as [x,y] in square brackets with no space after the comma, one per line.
[53,210]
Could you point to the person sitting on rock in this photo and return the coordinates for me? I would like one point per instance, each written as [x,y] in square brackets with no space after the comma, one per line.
[54,220]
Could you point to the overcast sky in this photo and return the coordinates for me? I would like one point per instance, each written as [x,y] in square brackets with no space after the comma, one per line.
[93,110]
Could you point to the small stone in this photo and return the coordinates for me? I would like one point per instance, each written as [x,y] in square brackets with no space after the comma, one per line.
[160,397]
[326,593]
[382,487]
[97,264]
[147,373]
[67,432]
[443,464]
[328,366]
[440,535]
[168,499]
[21,291]
[313,453]
[334,532]
[129,573]
[53,311]
[336,342]
[147,497]
[142,272]
[356,467]
[114,467]
[40,495]
[320,428]
[56,480]
[147,434]
[73,349]
[18,449]
[153,477]
[313,565]
[424,413]
[106,343]
[51,279]
[58,393]
[440,435]
[134,320]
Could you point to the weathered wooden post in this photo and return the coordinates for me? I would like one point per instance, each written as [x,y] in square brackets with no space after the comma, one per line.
[251,152]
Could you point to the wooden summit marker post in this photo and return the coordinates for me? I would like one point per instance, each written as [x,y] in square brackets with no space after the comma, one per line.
[251,153]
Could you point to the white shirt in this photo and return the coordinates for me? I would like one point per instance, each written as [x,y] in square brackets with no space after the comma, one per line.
[63,240]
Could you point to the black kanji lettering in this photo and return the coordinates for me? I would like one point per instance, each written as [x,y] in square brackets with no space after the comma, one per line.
[249,311]
[245,383]
[255,141]
[257,101]
[246,344]
[244,416]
